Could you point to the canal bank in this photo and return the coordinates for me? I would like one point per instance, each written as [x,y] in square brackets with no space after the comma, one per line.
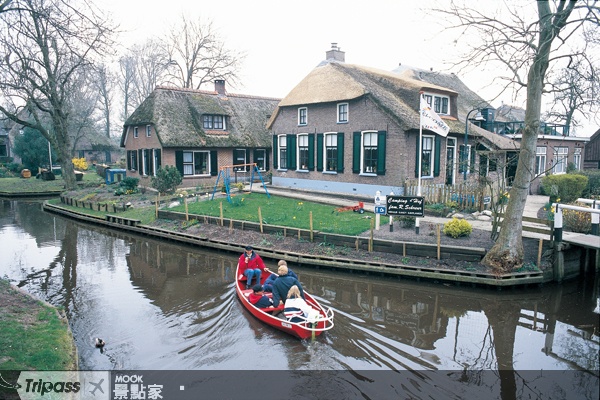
[401,259]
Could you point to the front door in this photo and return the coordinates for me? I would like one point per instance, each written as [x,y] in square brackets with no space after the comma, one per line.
[450,156]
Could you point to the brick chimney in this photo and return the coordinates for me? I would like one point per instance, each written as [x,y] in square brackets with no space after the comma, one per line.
[335,54]
[220,86]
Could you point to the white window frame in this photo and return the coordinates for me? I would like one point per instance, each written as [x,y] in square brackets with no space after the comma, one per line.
[369,136]
[302,116]
[282,146]
[577,158]
[135,132]
[341,112]
[155,161]
[302,145]
[330,140]
[436,102]
[145,162]
[540,159]
[191,162]
[430,139]
[561,155]
[148,131]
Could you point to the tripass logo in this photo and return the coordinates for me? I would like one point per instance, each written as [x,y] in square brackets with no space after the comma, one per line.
[76,385]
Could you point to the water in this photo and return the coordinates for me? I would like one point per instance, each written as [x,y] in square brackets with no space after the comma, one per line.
[163,306]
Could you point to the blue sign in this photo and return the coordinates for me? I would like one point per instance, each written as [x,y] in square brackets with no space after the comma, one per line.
[380,210]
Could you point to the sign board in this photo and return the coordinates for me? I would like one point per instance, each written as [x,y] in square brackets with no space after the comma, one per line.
[378,198]
[405,205]
[487,200]
[380,210]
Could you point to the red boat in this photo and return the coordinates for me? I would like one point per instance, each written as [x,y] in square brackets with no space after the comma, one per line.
[274,317]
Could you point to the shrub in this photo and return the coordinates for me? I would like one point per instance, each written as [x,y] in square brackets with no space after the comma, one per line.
[80,164]
[577,221]
[407,221]
[457,228]
[130,184]
[592,190]
[567,187]
[167,179]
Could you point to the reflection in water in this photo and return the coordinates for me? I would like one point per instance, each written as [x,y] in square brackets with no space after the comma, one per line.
[163,306]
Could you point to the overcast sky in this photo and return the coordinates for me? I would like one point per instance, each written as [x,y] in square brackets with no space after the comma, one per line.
[284,40]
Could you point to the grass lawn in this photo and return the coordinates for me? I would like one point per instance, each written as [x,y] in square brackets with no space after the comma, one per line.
[284,211]
[33,185]
[32,334]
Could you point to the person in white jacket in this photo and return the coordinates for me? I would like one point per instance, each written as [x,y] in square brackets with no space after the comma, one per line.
[296,309]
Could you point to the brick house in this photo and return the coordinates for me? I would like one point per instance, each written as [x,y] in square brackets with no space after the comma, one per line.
[592,152]
[198,132]
[353,129]
[555,149]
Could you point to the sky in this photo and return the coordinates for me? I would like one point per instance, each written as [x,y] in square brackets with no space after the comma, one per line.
[283,40]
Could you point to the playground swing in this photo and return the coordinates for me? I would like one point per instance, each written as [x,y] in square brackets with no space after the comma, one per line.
[225,176]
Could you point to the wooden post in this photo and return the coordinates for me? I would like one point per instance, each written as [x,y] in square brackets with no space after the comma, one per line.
[539,257]
[371,238]
[157,202]
[260,220]
[403,249]
[187,217]
[312,235]
[221,212]
[438,240]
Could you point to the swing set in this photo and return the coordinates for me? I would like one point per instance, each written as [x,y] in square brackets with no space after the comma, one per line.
[225,174]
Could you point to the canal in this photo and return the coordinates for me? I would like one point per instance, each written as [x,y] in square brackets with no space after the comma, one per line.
[164,306]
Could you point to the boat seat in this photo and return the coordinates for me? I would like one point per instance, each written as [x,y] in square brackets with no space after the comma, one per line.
[271,310]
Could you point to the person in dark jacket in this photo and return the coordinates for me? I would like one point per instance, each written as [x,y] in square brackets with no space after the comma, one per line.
[282,285]
[268,285]
[258,298]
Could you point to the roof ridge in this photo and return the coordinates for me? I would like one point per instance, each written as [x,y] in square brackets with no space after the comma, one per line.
[212,92]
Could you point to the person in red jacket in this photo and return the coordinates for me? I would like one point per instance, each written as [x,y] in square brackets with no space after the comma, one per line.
[251,266]
[258,297]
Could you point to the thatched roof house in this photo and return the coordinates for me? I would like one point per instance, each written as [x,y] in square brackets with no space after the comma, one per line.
[375,116]
[198,131]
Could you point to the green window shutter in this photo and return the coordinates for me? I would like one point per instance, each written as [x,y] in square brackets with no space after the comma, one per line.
[472,166]
[179,161]
[275,150]
[311,151]
[266,160]
[158,159]
[129,160]
[291,151]
[356,146]
[140,161]
[150,162]
[461,159]
[134,161]
[436,162]
[214,163]
[340,153]
[319,152]
[247,167]
[381,150]
[417,151]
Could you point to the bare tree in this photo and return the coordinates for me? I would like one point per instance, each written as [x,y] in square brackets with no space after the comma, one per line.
[105,84]
[198,55]
[45,44]
[526,49]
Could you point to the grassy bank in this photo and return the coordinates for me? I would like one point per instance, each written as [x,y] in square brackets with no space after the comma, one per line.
[33,334]
[19,186]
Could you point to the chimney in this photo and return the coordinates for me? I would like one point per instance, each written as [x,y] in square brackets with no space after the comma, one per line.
[220,86]
[335,54]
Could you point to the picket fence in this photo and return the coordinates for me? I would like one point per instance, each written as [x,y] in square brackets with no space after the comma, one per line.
[466,195]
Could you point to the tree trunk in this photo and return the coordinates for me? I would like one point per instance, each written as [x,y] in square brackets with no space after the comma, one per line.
[507,253]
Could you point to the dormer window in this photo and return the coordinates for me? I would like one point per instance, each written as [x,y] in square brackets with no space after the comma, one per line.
[438,103]
[148,130]
[302,116]
[213,122]
[135,132]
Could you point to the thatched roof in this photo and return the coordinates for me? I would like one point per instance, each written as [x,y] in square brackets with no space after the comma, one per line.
[177,117]
[395,92]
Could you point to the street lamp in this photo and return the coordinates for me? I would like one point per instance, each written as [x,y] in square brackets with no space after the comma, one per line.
[478,117]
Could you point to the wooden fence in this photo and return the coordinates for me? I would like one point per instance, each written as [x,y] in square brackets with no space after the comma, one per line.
[465,194]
